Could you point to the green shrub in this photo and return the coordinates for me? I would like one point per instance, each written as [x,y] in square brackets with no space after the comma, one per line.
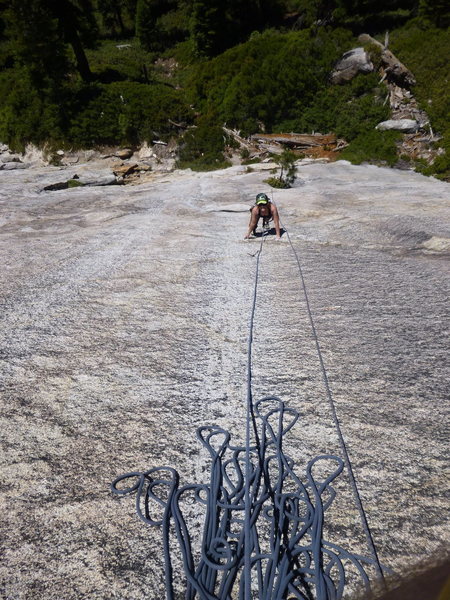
[73,183]
[146,110]
[441,165]
[374,147]
[89,114]
[276,182]
[269,80]
[202,147]
[425,51]
[347,110]
[121,61]
[92,117]
[25,114]
[288,170]
[251,161]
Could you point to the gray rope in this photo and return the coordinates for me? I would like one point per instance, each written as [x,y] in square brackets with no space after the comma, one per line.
[289,556]
[249,420]
[260,518]
[357,498]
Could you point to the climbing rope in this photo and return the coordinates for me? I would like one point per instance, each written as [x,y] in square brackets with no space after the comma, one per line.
[263,526]
[331,403]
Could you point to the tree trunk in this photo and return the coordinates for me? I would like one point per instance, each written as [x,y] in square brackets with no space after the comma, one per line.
[66,16]
[119,18]
[82,62]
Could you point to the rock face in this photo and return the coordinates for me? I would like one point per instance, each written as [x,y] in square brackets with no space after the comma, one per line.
[403,125]
[124,325]
[353,62]
[90,178]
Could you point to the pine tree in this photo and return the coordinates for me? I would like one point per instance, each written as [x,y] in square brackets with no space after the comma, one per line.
[117,16]
[435,11]
[147,14]
[41,29]
[372,16]
[288,170]
[77,22]
[36,41]
[208,27]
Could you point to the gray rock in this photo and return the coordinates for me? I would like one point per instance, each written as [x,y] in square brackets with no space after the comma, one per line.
[87,179]
[8,158]
[101,180]
[352,62]
[12,166]
[403,125]
[125,327]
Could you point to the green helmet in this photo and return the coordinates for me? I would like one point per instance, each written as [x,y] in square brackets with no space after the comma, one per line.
[262,199]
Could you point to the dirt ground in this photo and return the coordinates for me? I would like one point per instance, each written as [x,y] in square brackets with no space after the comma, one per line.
[124,326]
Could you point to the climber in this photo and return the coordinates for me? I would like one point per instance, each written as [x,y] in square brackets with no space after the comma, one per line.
[268,211]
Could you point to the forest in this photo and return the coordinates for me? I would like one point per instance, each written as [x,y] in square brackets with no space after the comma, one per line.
[91,73]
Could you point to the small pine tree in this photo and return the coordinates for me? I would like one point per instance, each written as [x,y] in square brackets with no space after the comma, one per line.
[288,170]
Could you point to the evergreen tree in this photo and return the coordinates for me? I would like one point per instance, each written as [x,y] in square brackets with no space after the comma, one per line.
[208,27]
[36,41]
[372,16]
[3,7]
[117,16]
[435,11]
[148,12]
[217,25]
[77,22]
[316,12]
[267,12]
[288,170]
[111,12]
[40,29]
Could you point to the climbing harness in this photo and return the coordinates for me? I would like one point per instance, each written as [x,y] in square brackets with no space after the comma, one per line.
[263,532]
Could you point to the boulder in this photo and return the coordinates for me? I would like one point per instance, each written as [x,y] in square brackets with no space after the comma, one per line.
[12,166]
[403,125]
[123,154]
[84,180]
[10,158]
[352,62]
[94,180]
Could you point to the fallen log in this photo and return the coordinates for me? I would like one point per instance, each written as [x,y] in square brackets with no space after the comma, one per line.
[237,137]
[393,68]
[297,140]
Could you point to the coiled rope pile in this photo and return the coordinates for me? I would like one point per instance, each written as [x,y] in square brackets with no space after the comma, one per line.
[263,526]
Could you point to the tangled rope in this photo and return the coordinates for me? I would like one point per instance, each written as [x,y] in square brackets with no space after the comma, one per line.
[263,525]
[288,555]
